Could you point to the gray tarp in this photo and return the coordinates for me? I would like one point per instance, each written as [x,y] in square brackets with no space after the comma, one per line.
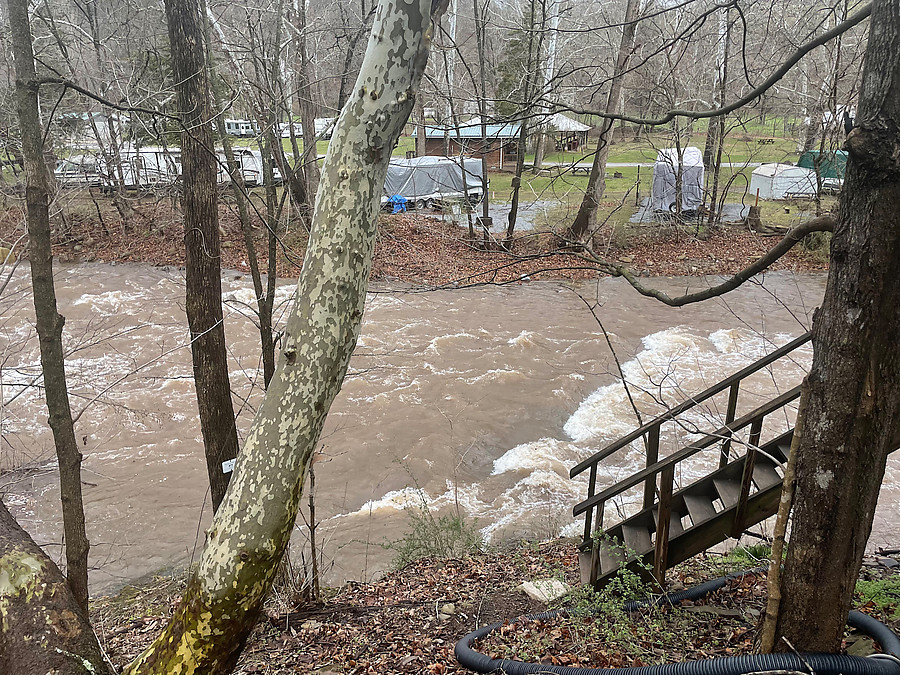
[431,178]
[662,194]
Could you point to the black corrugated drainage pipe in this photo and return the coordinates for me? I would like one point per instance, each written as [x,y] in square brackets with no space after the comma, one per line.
[821,664]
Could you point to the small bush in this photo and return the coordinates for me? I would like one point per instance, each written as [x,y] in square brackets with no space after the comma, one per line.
[440,536]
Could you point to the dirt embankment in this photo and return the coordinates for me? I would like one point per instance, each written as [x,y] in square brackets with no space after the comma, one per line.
[411,248]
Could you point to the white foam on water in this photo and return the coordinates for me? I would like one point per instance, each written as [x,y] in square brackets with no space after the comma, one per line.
[546,454]
[110,302]
[672,365]
[245,295]
[396,500]
[434,346]
[495,374]
[523,339]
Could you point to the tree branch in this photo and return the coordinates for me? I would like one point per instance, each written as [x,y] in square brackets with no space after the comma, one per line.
[822,224]
[773,79]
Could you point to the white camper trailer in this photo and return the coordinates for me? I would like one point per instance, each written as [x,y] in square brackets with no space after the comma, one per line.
[665,171]
[152,168]
[241,128]
[782,181]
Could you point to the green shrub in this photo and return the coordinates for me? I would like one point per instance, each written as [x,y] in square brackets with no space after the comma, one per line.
[448,535]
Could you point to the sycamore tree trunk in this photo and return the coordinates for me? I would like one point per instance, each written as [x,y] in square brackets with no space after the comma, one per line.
[49,321]
[203,274]
[252,527]
[44,628]
[586,218]
[853,412]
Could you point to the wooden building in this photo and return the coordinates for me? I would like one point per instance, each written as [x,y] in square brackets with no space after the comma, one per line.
[499,145]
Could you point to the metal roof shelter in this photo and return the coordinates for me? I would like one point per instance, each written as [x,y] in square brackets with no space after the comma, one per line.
[472,129]
[570,134]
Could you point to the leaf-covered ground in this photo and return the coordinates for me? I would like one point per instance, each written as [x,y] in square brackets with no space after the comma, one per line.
[412,248]
[410,620]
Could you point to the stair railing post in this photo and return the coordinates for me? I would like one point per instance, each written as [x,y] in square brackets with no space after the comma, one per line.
[664,514]
[740,512]
[729,418]
[592,486]
[652,458]
[595,543]
[591,525]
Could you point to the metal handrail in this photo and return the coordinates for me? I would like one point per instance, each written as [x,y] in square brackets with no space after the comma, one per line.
[690,403]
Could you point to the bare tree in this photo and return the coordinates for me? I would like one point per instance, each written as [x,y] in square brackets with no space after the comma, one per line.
[49,321]
[203,272]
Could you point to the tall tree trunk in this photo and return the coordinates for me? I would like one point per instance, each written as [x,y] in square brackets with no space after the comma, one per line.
[716,131]
[521,143]
[251,529]
[586,218]
[44,628]
[481,88]
[853,413]
[203,274]
[419,118]
[238,190]
[543,135]
[306,99]
[49,321]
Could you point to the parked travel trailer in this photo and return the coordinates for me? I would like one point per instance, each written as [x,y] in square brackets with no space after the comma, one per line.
[152,168]
[427,181]
[241,128]
[78,171]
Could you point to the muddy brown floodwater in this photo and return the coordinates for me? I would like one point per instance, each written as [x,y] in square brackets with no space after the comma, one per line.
[478,400]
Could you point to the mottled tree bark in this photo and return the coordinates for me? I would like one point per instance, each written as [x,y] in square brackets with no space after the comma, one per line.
[43,628]
[252,527]
[203,274]
[854,385]
[586,218]
[49,321]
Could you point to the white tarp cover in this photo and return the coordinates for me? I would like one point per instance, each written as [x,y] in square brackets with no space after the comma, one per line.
[662,193]
[777,181]
[431,178]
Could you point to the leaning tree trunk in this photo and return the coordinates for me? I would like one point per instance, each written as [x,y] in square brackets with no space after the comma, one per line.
[252,527]
[586,218]
[49,321]
[203,273]
[44,628]
[853,413]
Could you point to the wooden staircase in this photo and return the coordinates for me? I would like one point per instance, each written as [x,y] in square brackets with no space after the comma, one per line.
[674,524]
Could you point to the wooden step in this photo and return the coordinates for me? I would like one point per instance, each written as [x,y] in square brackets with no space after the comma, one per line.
[675,527]
[729,491]
[764,474]
[783,449]
[637,539]
[611,555]
[699,507]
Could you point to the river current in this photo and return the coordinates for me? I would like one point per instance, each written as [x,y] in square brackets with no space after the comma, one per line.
[476,400]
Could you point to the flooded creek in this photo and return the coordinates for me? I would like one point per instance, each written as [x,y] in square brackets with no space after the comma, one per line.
[476,399]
